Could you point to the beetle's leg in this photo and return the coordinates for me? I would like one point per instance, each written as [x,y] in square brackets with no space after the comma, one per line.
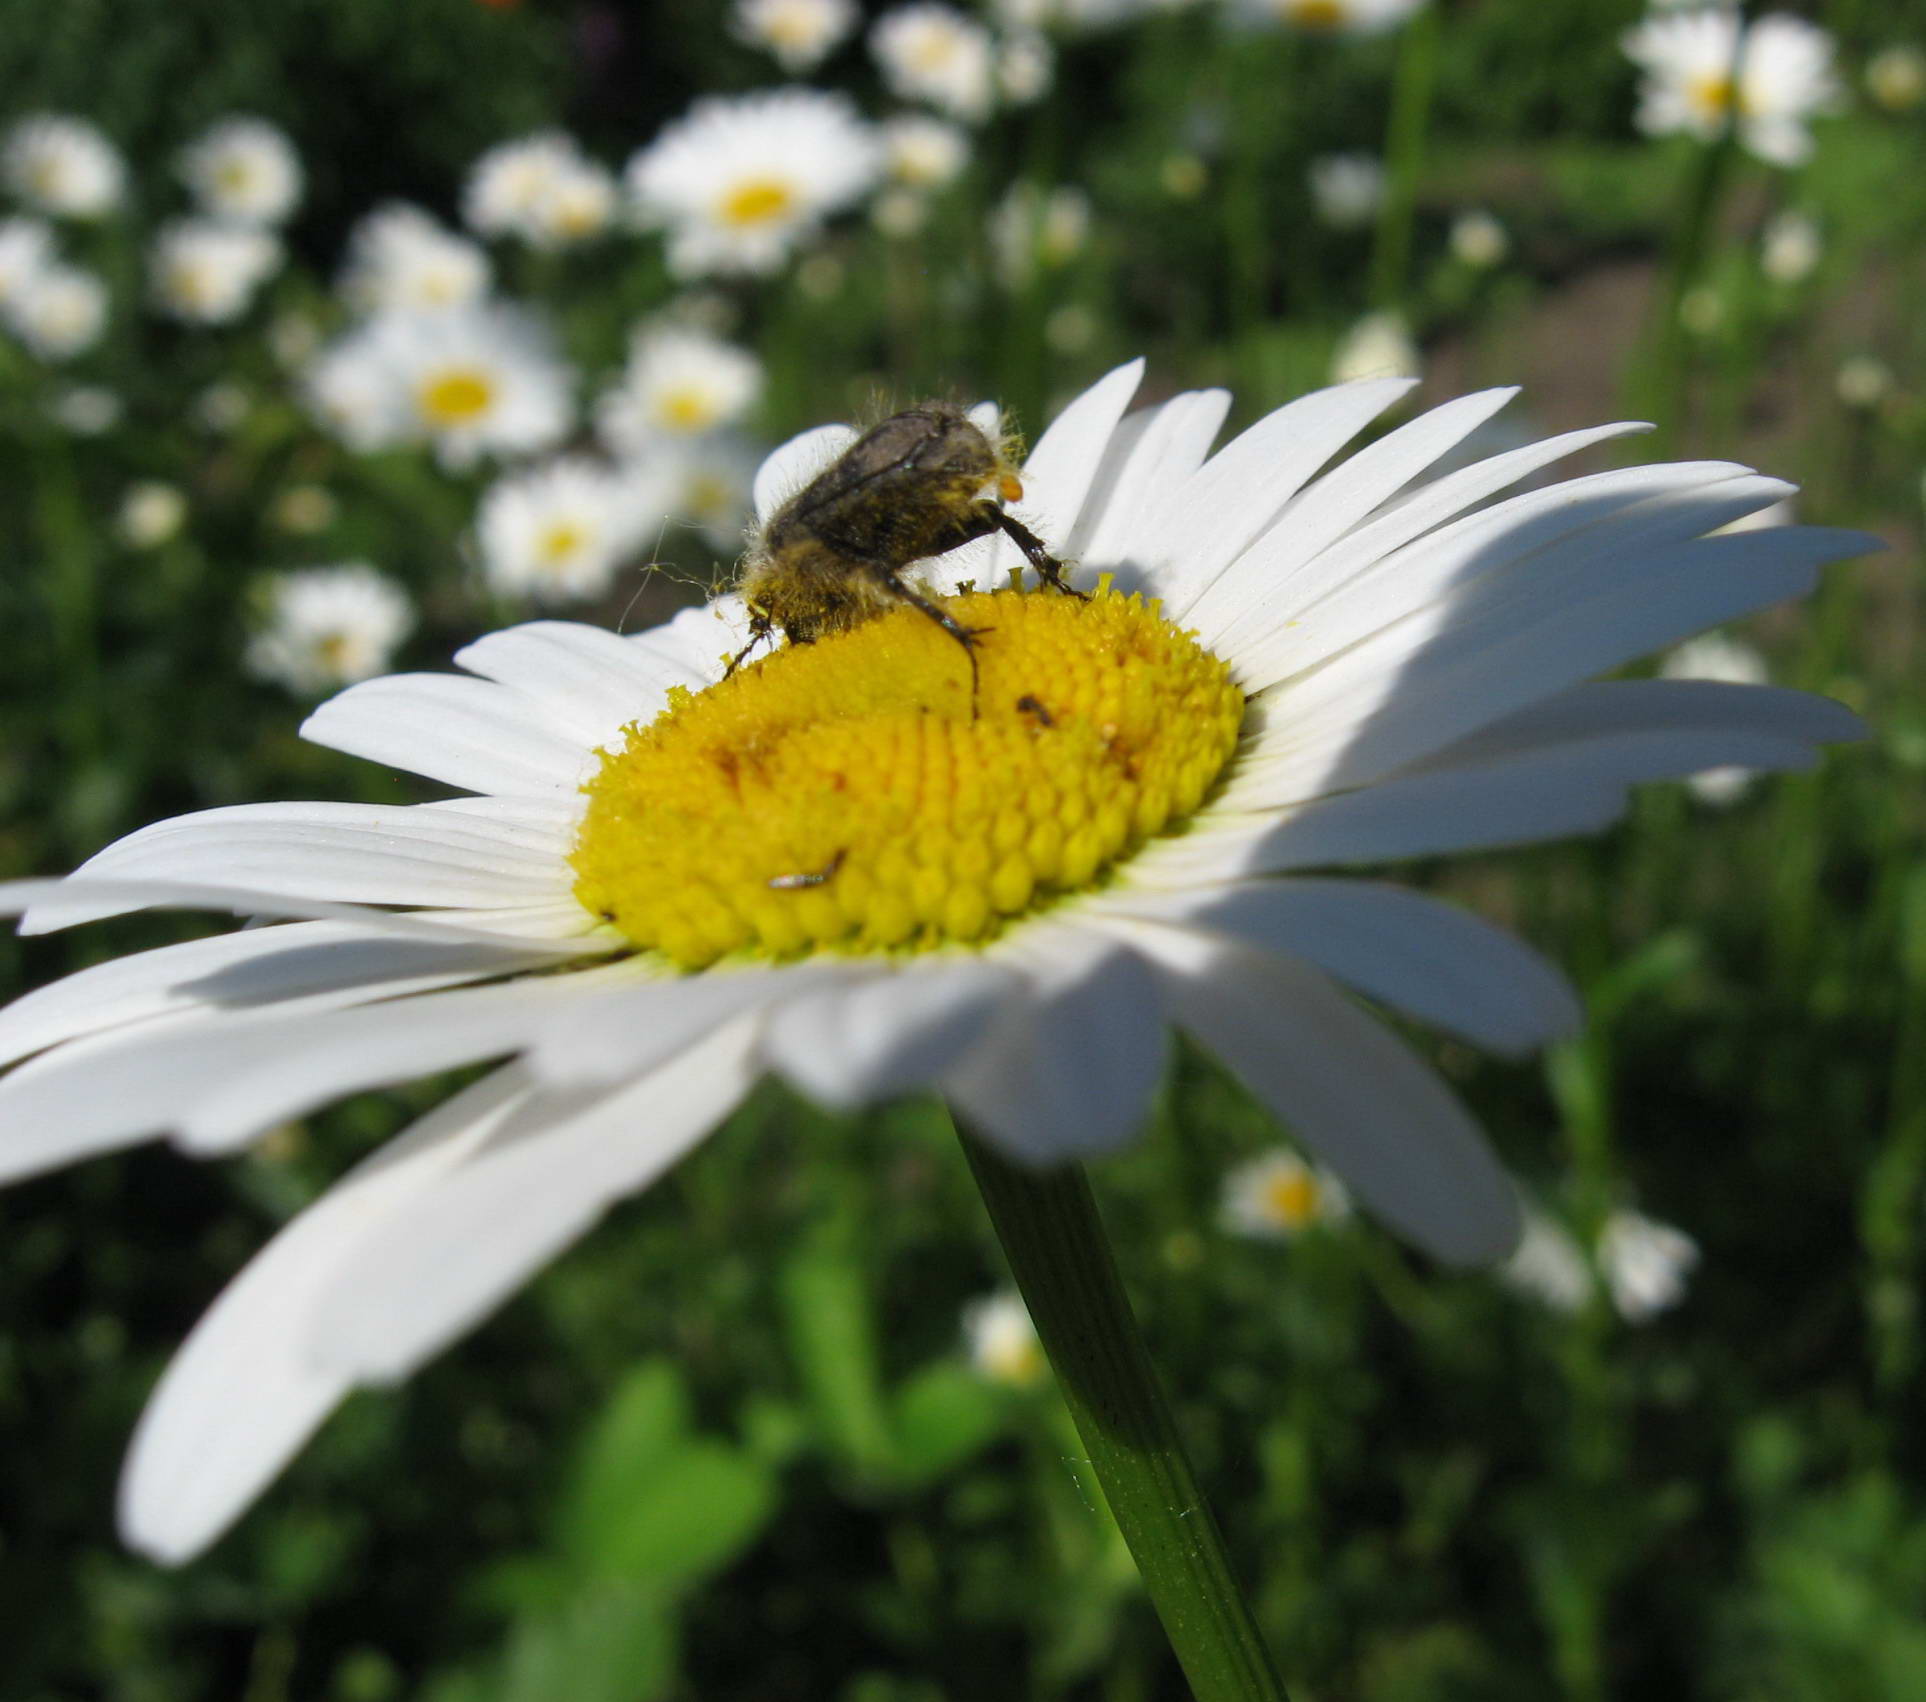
[1049,569]
[964,635]
[760,627]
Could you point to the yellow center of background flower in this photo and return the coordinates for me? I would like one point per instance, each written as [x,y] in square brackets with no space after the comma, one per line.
[852,794]
[757,201]
[1315,14]
[1715,96]
[457,397]
[1292,1198]
[686,408]
[561,542]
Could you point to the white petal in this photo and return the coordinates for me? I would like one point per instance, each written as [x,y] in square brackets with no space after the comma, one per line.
[430,1274]
[1057,475]
[52,904]
[1216,512]
[1067,1071]
[216,1085]
[1351,1092]
[1425,684]
[249,968]
[586,680]
[1322,514]
[863,1041]
[348,853]
[1434,962]
[467,733]
[243,1394]
[788,468]
[1144,469]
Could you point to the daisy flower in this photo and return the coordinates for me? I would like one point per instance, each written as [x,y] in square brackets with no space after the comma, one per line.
[207,273]
[1327,17]
[1347,189]
[1714,656]
[1478,240]
[87,410]
[60,311]
[558,532]
[303,510]
[799,33]
[151,512]
[543,189]
[324,627]
[64,166]
[1277,1196]
[1698,76]
[1646,1264]
[1002,1341]
[26,249]
[1378,346]
[474,381]
[921,152]
[698,482]
[1033,226]
[1548,1265]
[1896,77]
[402,260]
[243,171]
[1026,65]
[935,54]
[679,383]
[1791,247]
[740,181]
[845,866]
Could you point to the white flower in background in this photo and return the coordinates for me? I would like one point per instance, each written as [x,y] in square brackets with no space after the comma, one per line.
[1337,660]
[556,533]
[1032,227]
[1347,189]
[26,249]
[243,171]
[1790,247]
[1327,17]
[679,382]
[473,381]
[1696,80]
[900,212]
[933,53]
[739,181]
[1729,661]
[401,259]
[1548,1265]
[1863,381]
[1478,240]
[151,512]
[700,483]
[223,406]
[86,410]
[1646,1264]
[325,627]
[799,33]
[1277,1196]
[1026,65]
[60,311]
[1896,77]
[541,188]
[303,510]
[1378,346]
[1002,1341]
[207,273]
[921,152]
[63,165]
[294,337]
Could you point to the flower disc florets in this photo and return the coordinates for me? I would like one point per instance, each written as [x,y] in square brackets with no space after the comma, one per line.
[855,793]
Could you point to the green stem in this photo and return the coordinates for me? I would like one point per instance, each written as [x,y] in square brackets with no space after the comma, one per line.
[1048,1225]
[1404,157]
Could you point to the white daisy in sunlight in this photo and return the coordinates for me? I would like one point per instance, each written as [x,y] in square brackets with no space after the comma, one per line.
[740,180]
[924,152]
[877,864]
[480,380]
[26,250]
[207,273]
[700,483]
[1378,346]
[1327,17]
[1002,1341]
[1277,1196]
[1646,1264]
[243,171]
[58,312]
[324,627]
[556,533]
[1699,77]
[1347,189]
[401,259]
[798,33]
[933,53]
[151,512]
[679,382]
[63,165]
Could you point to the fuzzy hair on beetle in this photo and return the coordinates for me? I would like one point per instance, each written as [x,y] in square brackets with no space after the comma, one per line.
[913,486]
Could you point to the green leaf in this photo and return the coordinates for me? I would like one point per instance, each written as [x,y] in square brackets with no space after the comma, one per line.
[944,1414]
[833,1341]
[700,1507]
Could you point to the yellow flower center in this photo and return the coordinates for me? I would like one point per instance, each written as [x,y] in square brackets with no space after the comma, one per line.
[1715,96]
[686,408]
[234,177]
[1016,1361]
[1292,1198]
[933,51]
[758,201]
[1316,14]
[853,794]
[457,397]
[561,543]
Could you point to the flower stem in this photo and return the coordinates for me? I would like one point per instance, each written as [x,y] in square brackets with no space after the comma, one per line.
[1404,158]
[1048,1225]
